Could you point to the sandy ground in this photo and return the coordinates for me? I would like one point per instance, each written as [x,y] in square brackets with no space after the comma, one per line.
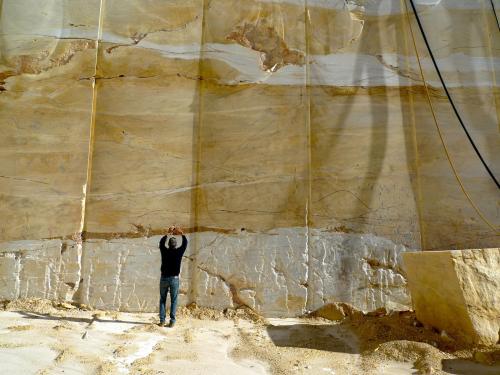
[38,338]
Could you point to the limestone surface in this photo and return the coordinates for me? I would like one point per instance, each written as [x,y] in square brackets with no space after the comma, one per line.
[294,140]
[272,273]
[457,291]
[40,269]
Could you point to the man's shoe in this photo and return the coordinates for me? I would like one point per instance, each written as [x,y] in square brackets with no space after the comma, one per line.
[162,324]
[171,325]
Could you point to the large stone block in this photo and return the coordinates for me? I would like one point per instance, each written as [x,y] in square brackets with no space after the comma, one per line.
[264,271]
[48,50]
[283,272]
[457,291]
[363,270]
[44,269]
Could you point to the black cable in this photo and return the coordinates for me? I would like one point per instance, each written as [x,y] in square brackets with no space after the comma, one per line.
[449,96]
[495,13]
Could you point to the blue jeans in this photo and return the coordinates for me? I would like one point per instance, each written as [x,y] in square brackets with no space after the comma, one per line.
[168,283]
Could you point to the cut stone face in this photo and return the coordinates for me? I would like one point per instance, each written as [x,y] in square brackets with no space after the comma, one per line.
[267,272]
[47,48]
[39,269]
[457,291]
[293,140]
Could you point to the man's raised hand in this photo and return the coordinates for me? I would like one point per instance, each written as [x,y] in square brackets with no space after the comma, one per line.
[173,230]
[177,231]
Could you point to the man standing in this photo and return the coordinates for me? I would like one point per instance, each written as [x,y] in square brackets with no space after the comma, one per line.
[171,258]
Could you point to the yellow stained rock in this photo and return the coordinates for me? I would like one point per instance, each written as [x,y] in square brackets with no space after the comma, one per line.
[457,291]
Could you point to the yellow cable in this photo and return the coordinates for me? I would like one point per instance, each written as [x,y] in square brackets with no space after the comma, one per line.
[459,180]
[415,148]
[93,114]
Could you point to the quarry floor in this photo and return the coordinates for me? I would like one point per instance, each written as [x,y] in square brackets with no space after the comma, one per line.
[38,338]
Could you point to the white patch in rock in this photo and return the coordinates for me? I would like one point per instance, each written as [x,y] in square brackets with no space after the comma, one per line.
[273,273]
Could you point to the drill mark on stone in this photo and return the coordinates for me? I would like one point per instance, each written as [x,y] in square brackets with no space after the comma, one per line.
[274,53]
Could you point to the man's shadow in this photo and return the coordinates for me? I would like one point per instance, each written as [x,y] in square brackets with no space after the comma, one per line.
[458,366]
[332,338]
[89,320]
[363,181]
[465,37]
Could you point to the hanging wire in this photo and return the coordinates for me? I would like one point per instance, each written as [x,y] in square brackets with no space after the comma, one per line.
[452,165]
[450,99]
[495,13]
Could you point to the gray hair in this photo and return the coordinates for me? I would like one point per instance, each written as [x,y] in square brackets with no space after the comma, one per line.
[172,242]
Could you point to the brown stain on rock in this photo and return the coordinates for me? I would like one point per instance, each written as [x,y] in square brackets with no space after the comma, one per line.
[3,77]
[143,232]
[45,60]
[273,50]
[381,91]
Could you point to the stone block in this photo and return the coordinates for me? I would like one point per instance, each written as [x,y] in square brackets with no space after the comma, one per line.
[457,291]
[265,271]
[276,273]
[363,270]
[9,279]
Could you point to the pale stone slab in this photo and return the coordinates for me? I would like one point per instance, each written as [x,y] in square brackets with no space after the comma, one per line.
[44,269]
[457,291]
[45,115]
[363,270]
[252,138]
[363,164]
[124,274]
[147,108]
[267,272]
[168,122]
[282,272]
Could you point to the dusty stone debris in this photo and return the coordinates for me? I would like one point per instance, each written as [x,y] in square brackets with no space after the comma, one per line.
[359,343]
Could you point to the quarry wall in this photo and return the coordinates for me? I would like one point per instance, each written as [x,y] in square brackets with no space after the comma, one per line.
[295,141]
[269,272]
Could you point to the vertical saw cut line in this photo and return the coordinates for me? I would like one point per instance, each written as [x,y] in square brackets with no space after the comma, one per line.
[418,187]
[197,152]
[455,110]
[307,23]
[495,13]
[92,124]
[452,165]
[90,153]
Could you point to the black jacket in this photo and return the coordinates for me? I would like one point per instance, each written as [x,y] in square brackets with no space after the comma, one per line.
[171,258]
